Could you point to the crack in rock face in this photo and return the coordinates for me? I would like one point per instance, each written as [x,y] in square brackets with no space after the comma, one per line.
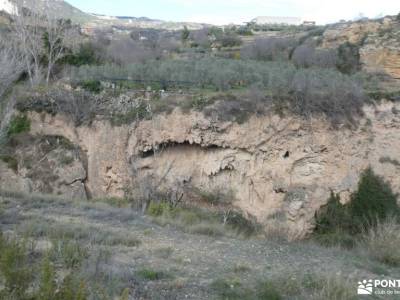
[270,165]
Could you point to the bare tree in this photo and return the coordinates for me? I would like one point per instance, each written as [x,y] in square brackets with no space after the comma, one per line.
[59,35]
[226,214]
[12,65]
[40,33]
[28,32]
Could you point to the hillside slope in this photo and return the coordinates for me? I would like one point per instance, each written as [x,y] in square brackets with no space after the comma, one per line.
[121,249]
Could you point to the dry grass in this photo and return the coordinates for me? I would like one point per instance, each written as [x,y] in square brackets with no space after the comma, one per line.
[112,248]
[382,243]
[276,227]
[287,286]
[202,221]
[334,288]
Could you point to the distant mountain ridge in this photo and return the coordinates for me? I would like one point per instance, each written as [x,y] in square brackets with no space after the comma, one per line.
[59,8]
[63,9]
[144,19]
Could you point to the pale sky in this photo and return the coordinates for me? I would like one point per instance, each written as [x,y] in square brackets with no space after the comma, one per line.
[238,11]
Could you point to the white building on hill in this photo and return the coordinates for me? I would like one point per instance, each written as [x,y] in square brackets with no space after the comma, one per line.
[277,21]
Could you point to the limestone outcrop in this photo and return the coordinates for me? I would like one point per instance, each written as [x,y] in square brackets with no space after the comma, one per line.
[273,166]
[44,164]
[378,41]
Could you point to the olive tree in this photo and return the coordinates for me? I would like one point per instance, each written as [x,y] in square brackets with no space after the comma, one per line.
[269,49]
[58,38]
[307,56]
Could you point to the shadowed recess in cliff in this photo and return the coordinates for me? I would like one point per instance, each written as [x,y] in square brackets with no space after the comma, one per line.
[162,147]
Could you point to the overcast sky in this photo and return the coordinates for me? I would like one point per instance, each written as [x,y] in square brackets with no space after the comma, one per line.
[238,11]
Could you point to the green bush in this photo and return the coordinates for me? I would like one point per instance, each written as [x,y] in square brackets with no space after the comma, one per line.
[14,268]
[93,86]
[373,201]
[349,58]
[332,216]
[86,55]
[19,124]
[11,161]
[158,209]
[149,274]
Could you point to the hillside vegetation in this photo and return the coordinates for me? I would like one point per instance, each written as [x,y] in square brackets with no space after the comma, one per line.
[81,250]
[290,72]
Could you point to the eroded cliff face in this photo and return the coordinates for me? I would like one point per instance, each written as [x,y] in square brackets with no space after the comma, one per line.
[278,169]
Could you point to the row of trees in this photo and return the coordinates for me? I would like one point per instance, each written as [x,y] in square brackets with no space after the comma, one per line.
[149,44]
[279,79]
[303,54]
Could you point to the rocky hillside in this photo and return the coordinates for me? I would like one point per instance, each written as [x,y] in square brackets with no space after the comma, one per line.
[379,42]
[59,8]
[275,151]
